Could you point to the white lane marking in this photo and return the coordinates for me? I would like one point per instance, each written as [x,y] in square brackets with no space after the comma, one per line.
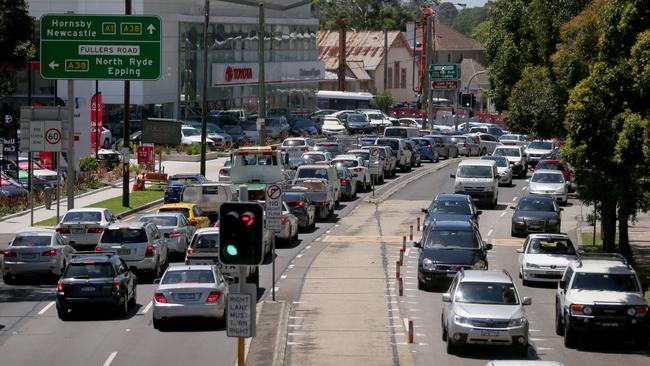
[543,349]
[296,325]
[537,339]
[299,256]
[308,246]
[503,213]
[110,358]
[46,308]
[523,189]
[296,334]
[407,251]
[534,330]
[490,232]
[514,199]
[146,308]
[277,288]
[406,324]
[283,277]
[294,344]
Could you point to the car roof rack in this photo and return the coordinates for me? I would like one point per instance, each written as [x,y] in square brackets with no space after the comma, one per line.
[616,257]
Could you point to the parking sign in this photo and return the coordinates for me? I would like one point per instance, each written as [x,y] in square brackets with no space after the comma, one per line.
[274,207]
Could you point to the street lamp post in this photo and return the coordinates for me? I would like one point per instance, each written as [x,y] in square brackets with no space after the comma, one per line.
[204,90]
[261,107]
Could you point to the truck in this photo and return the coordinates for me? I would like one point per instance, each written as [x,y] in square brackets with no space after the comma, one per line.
[257,166]
[321,184]
[209,197]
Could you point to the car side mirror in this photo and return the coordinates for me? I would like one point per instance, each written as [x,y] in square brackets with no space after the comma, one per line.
[229,279]
[156,281]
[166,235]
[562,285]
[479,212]
[417,244]
[193,222]
[520,250]
[488,246]
[513,207]
[425,210]
[452,176]
[527,301]
[446,297]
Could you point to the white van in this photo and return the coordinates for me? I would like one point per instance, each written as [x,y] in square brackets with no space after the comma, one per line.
[478,179]
[401,132]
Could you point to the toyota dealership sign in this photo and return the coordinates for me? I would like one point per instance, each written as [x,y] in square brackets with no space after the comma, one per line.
[224,74]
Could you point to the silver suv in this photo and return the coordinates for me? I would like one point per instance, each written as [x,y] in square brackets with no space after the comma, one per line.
[484,307]
[601,293]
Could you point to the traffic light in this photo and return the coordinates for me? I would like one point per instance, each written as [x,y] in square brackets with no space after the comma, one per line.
[241,233]
[467,100]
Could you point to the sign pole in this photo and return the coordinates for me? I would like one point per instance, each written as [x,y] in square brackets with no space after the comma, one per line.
[30,171]
[261,108]
[125,132]
[241,341]
[204,89]
[70,153]
[57,159]
[96,119]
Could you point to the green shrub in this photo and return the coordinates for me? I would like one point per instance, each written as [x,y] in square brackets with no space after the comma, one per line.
[88,164]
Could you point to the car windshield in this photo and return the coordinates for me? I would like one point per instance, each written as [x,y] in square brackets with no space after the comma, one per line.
[451,207]
[392,143]
[395,132]
[191,132]
[292,196]
[312,158]
[312,173]
[160,220]
[32,241]
[274,122]
[182,180]
[356,118]
[346,163]
[187,276]
[550,246]
[507,152]
[89,270]
[536,205]
[463,239]
[487,293]
[82,216]
[328,147]
[182,210]
[124,235]
[375,116]
[501,162]
[362,155]
[303,123]
[605,282]
[474,171]
[509,137]
[293,143]
[541,145]
[457,139]
[206,241]
[550,166]
[547,178]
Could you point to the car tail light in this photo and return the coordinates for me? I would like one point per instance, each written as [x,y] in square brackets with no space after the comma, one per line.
[59,286]
[63,230]
[116,285]
[283,219]
[224,171]
[174,234]
[9,253]
[322,204]
[95,230]
[429,146]
[300,204]
[189,251]
[458,268]
[49,253]
[160,298]
[305,149]
[358,169]
[150,251]
[214,296]
[283,149]
[99,248]
[465,145]
[344,181]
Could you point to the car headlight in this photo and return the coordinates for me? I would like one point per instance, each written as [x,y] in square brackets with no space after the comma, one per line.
[560,190]
[427,263]
[478,265]
[578,309]
[518,220]
[517,162]
[461,320]
[631,312]
[531,265]
[517,322]
[552,221]
[489,189]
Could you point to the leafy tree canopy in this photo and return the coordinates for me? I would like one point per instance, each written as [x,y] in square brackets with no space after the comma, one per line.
[16,31]
[363,14]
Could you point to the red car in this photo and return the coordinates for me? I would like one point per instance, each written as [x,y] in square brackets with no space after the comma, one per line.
[556,165]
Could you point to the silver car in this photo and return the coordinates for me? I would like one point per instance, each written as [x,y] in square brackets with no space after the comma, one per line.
[544,257]
[190,291]
[467,145]
[174,227]
[224,172]
[484,307]
[139,244]
[35,252]
[546,182]
[83,227]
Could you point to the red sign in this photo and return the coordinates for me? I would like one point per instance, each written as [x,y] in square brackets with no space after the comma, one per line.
[96,110]
[146,156]
[444,84]
[238,73]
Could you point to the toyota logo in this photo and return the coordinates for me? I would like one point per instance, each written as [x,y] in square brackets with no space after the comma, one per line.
[229,74]
[553,266]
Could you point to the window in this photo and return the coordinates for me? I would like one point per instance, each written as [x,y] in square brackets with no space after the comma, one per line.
[397,69]
[403,79]
[389,82]
[449,57]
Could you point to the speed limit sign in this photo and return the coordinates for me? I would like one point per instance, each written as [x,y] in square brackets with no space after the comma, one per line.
[52,136]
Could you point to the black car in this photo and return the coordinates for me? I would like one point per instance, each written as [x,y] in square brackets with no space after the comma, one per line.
[450,207]
[10,190]
[536,214]
[448,247]
[176,184]
[95,279]
[358,123]
[301,207]
[303,126]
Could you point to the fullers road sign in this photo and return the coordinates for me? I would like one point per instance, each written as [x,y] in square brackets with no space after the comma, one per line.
[105,47]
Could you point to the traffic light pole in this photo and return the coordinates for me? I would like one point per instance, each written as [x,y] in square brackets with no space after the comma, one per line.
[241,341]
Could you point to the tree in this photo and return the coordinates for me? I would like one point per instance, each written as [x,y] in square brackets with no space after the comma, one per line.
[481,32]
[382,101]
[536,107]
[362,14]
[447,12]
[468,18]
[16,32]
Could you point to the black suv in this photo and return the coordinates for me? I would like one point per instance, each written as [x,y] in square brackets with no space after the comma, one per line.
[448,247]
[102,279]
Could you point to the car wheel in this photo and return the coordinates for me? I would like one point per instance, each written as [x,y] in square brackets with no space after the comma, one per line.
[569,336]
[422,286]
[124,305]
[63,264]
[522,350]
[525,282]
[159,324]
[295,236]
[106,144]
[156,271]
[134,295]
[513,234]
[8,279]
[483,152]
[419,163]
[559,327]
[63,313]
[523,173]
[452,349]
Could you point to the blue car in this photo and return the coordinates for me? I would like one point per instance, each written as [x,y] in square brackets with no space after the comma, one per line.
[304,125]
[367,140]
[450,207]
[176,184]
[173,193]
[428,150]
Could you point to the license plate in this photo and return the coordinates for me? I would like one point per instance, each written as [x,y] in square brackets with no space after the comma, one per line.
[610,324]
[451,275]
[186,296]
[88,289]
[123,251]
[77,231]
[28,255]
[487,333]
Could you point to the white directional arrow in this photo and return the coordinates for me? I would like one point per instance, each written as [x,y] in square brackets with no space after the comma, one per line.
[151,28]
[53,65]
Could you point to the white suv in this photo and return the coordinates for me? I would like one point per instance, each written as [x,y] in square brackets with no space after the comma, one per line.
[601,293]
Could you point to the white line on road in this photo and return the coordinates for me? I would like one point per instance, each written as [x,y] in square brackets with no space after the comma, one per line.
[283,277]
[277,288]
[110,358]
[523,189]
[408,250]
[146,308]
[299,256]
[503,213]
[490,232]
[294,344]
[534,330]
[46,308]
[406,324]
[308,246]
[537,339]
[514,199]
[543,349]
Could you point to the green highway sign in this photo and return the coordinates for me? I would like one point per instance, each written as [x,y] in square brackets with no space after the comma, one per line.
[444,72]
[100,47]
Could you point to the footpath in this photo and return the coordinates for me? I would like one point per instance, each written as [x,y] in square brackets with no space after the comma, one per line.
[640,242]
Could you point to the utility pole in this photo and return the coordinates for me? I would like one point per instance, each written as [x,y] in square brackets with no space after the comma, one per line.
[96,119]
[261,108]
[342,54]
[204,90]
[125,132]
[385,58]
[428,60]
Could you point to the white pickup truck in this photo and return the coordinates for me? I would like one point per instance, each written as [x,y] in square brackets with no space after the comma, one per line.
[321,184]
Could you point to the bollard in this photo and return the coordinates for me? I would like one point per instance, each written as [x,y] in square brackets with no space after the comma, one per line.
[401,287]
[418,224]
[47,197]
[401,256]
[410,331]
[397,274]
[411,232]
[404,242]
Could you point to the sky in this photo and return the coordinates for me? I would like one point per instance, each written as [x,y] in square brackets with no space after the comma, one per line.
[472,3]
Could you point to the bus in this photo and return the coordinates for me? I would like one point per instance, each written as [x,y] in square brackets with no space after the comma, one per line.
[328,99]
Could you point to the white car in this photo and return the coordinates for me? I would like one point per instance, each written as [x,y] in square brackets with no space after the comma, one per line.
[192,136]
[411,122]
[544,257]
[296,146]
[224,172]
[83,227]
[546,182]
[503,168]
[377,118]
[359,172]
[106,138]
[513,139]
[38,170]
[332,126]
